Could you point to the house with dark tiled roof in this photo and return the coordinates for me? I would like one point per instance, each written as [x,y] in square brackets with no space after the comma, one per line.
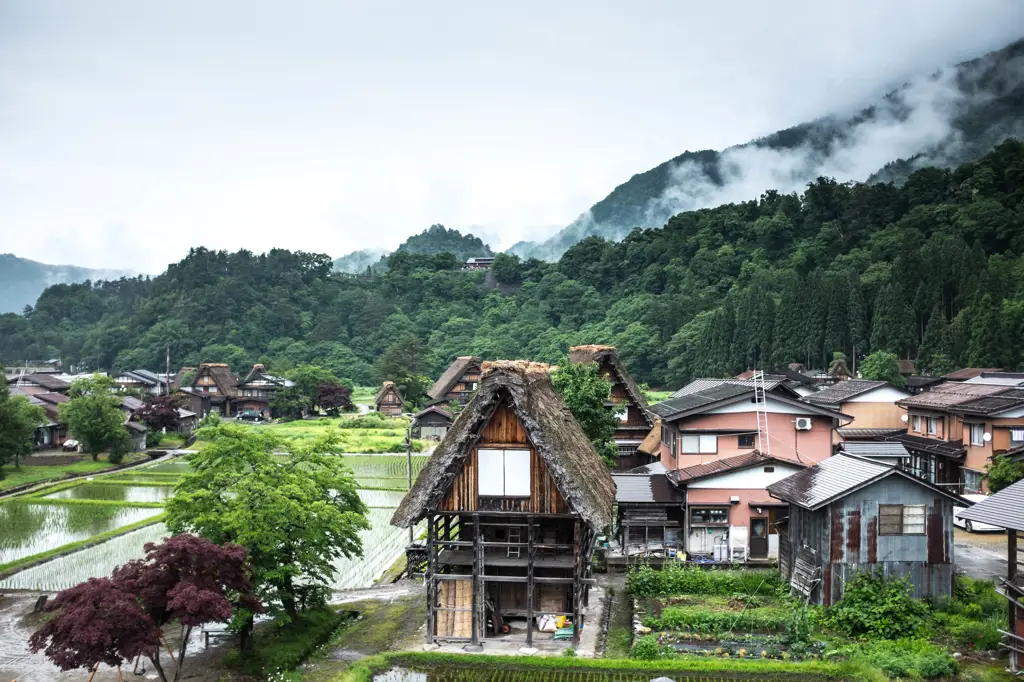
[53,432]
[142,380]
[214,386]
[40,382]
[255,392]
[723,441]
[872,404]
[954,430]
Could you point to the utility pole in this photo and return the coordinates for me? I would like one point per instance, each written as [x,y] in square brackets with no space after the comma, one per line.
[408,465]
[167,373]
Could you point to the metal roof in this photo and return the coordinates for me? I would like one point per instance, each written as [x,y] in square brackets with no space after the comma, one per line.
[851,433]
[727,464]
[702,385]
[1004,509]
[838,476]
[842,391]
[953,449]
[646,489]
[993,404]
[968,373]
[949,394]
[875,449]
[695,399]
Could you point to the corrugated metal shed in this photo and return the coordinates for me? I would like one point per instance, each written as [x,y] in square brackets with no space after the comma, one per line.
[838,476]
[1004,509]
[842,391]
[646,489]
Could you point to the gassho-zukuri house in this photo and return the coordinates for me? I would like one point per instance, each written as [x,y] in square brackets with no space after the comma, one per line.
[513,498]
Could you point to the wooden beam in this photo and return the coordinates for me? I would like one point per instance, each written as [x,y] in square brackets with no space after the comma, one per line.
[577,588]
[1011,574]
[530,556]
[429,579]
[478,569]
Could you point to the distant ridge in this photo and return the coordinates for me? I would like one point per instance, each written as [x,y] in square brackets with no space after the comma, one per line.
[22,280]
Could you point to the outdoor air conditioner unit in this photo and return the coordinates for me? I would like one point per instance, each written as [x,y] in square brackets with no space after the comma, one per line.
[803,423]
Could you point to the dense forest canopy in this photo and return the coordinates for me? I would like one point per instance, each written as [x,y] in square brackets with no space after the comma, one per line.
[931,270]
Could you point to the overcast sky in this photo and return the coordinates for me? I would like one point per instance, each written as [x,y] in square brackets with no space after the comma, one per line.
[130,131]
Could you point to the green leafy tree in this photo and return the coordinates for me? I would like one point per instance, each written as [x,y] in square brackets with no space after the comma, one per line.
[405,362]
[18,421]
[293,506]
[309,378]
[586,394]
[882,366]
[93,414]
[290,403]
[1003,472]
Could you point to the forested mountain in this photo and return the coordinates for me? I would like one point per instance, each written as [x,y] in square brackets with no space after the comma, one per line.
[22,280]
[932,269]
[433,240]
[943,119]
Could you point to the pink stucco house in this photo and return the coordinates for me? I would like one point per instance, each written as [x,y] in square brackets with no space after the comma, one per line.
[715,447]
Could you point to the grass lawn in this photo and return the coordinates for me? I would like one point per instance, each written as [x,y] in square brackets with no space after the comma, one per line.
[363,395]
[657,396]
[14,477]
[170,441]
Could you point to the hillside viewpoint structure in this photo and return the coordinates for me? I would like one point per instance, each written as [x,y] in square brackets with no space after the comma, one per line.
[513,498]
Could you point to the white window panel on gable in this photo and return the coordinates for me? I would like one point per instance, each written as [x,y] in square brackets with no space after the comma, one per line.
[1010,414]
[882,394]
[773,406]
[754,478]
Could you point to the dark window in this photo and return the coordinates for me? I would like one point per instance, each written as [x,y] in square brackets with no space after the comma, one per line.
[769,470]
[901,519]
[709,515]
[746,440]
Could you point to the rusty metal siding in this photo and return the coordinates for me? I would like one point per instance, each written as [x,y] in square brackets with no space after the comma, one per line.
[845,538]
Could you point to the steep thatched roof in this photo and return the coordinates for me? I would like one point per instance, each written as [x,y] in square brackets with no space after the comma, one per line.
[451,376]
[651,444]
[580,355]
[222,376]
[385,388]
[571,460]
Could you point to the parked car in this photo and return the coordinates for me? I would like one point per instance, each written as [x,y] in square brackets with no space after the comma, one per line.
[251,416]
[70,445]
[967,524]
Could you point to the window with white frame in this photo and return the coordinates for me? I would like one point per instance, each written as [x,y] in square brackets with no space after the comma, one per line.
[933,426]
[700,444]
[622,413]
[1016,437]
[977,434]
[916,423]
[901,519]
[503,473]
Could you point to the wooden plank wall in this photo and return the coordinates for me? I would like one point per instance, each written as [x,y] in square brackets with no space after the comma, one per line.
[505,430]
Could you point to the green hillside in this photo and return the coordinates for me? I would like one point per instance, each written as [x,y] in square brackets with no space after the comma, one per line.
[22,280]
[932,269]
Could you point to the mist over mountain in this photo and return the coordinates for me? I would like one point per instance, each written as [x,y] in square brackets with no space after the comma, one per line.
[945,118]
[22,280]
[356,262]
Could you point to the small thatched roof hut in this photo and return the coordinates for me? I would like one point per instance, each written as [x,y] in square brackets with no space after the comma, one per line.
[578,471]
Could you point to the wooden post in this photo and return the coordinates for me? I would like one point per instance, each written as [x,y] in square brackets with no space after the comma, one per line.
[577,585]
[429,579]
[94,671]
[478,569]
[529,581]
[1011,573]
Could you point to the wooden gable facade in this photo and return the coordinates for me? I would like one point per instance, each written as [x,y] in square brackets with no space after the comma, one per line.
[504,431]
[458,382]
[388,402]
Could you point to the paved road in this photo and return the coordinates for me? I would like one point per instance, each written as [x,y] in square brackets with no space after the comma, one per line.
[981,555]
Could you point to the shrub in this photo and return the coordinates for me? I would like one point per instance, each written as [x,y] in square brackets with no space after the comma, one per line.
[646,648]
[974,598]
[977,634]
[879,607]
[675,579]
[906,658]
[569,653]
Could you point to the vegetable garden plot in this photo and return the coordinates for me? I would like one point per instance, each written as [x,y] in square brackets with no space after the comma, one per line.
[114,492]
[34,527]
[92,562]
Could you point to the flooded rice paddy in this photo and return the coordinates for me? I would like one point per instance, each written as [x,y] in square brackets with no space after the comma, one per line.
[114,492]
[31,528]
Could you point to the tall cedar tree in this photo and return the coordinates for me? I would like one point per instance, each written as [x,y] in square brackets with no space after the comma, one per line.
[294,507]
[18,422]
[586,394]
